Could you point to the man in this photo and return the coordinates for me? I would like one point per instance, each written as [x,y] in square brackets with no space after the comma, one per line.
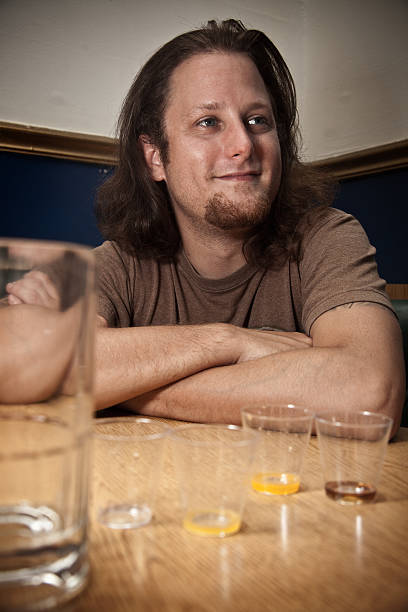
[223,283]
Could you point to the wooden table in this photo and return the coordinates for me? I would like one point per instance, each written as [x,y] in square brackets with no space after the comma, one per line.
[300,552]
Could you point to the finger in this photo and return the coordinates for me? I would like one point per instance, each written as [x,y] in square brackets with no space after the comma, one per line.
[295,336]
[285,346]
[13,299]
[45,283]
[30,291]
[288,337]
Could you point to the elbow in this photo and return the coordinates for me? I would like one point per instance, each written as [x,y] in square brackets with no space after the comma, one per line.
[386,395]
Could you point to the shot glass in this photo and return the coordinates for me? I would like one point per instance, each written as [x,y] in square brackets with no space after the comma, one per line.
[284,433]
[212,464]
[352,449]
[128,456]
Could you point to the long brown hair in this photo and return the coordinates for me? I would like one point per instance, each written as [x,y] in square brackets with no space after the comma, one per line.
[135,211]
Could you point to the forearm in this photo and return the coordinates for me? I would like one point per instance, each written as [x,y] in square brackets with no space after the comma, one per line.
[320,378]
[36,350]
[356,363]
[217,395]
[133,361]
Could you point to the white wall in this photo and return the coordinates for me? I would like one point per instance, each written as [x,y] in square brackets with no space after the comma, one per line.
[355,75]
[67,64]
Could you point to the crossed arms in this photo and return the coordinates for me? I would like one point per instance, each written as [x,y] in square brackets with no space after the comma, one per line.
[352,359]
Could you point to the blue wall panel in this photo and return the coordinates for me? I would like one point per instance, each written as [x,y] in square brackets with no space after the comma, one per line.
[379,201]
[43,197]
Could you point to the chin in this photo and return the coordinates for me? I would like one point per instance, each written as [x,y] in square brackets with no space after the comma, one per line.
[236,213]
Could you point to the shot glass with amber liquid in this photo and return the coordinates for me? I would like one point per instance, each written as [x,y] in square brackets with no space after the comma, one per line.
[352,449]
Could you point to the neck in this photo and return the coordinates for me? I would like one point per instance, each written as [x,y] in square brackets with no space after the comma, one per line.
[216,256]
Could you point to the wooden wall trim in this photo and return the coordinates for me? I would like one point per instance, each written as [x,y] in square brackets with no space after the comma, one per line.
[397,292]
[369,161]
[103,150]
[18,138]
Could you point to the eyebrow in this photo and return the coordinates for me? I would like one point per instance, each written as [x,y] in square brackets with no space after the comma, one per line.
[208,106]
[214,106]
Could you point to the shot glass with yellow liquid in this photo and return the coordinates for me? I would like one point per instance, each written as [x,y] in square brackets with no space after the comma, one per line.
[213,463]
[284,433]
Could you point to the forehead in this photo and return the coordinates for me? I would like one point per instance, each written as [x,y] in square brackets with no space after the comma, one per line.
[215,79]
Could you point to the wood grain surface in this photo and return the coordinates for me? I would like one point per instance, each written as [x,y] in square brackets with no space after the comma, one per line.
[301,552]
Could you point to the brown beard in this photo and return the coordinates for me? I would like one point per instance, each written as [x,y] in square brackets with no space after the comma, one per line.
[223,213]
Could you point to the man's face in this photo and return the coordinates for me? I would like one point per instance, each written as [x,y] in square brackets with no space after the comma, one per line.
[224,163]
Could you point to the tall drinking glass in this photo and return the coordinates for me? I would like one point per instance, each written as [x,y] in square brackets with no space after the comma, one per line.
[46,404]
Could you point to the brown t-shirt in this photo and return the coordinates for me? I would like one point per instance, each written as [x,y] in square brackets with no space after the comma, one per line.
[337,267]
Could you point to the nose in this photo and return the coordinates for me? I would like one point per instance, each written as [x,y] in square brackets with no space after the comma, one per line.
[238,141]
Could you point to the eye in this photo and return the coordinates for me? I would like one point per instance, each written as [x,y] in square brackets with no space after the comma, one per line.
[259,123]
[208,122]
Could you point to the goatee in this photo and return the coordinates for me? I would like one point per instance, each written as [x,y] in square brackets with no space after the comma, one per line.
[226,214]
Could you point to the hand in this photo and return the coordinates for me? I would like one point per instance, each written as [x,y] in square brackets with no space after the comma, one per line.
[34,288]
[257,343]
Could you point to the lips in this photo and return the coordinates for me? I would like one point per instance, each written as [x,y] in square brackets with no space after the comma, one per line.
[239,176]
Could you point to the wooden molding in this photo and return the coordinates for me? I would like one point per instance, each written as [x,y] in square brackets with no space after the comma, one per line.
[368,161]
[103,150]
[397,292]
[18,138]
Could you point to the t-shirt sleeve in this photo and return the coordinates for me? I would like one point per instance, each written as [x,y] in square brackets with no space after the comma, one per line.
[338,267]
[114,302]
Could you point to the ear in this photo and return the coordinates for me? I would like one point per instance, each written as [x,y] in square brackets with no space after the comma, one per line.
[152,158]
